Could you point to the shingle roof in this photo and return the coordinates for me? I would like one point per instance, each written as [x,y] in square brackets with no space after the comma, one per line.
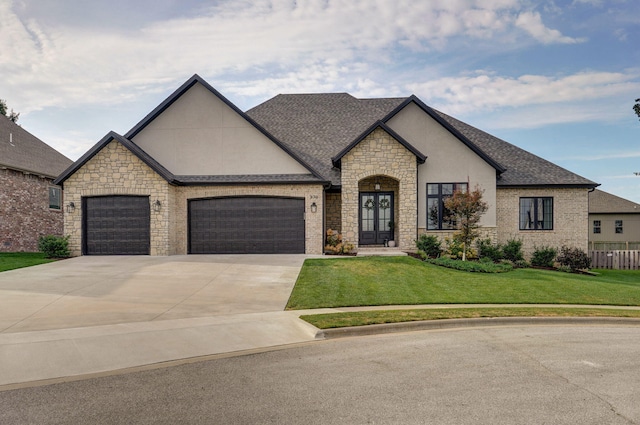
[601,202]
[20,150]
[318,127]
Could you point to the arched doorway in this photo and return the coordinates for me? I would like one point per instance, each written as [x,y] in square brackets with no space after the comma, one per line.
[377,210]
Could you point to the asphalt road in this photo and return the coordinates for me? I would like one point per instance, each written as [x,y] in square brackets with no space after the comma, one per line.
[507,375]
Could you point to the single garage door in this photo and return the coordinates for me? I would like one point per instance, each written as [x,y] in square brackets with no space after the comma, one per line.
[246,225]
[116,225]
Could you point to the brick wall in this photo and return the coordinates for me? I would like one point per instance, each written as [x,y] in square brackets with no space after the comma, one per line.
[24,211]
[379,154]
[570,218]
[333,212]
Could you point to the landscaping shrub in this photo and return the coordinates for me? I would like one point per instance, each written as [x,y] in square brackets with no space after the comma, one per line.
[574,258]
[512,251]
[455,249]
[544,256]
[54,246]
[430,245]
[487,250]
[471,266]
[335,245]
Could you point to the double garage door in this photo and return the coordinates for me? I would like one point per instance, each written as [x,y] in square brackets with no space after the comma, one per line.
[120,225]
[252,225]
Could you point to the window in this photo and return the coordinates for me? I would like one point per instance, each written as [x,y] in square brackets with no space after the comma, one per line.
[536,213]
[55,198]
[436,212]
[596,226]
[618,226]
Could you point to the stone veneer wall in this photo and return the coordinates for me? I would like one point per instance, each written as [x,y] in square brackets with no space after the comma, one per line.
[380,154]
[333,211]
[24,211]
[314,234]
[116,171]
[570,218]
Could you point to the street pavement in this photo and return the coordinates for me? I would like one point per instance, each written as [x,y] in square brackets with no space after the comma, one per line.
[493,375]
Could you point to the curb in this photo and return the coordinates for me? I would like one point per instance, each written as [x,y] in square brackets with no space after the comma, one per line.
[426,325]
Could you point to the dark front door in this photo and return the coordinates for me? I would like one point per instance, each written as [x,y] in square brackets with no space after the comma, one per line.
[376,212]
[247,225]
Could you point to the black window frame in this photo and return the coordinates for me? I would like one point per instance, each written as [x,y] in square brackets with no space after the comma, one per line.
[51,191]
[440,197]
[619,227]
[538,224]
[597,227]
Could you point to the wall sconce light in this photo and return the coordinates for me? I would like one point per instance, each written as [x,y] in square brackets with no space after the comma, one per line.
[71,207]
[376,185]
[314,208]
[157,205]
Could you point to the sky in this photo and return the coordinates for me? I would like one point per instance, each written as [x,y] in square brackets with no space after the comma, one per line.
[557,78]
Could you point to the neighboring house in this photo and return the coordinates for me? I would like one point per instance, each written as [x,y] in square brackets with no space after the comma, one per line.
[30,204]
[614,222]
[198,175]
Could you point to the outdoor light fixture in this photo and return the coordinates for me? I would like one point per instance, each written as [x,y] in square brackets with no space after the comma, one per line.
[157,205]
[71,207]
[314,208]
[376,185]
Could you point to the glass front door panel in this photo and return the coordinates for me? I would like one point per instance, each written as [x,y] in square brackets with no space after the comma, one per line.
[376,215]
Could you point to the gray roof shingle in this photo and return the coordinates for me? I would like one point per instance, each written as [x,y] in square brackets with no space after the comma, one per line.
[20,150]
[319,126]
[601,202]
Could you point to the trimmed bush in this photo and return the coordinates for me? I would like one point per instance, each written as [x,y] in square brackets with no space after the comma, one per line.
[487,250]
[574,258]
[430,245]
[512,251]
[471,266]
[543,256]
[54,246]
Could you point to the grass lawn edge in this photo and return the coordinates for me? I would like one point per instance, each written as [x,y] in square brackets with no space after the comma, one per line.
[376,317]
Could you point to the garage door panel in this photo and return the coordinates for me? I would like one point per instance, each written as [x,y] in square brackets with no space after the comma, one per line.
[246,225]
[116,225]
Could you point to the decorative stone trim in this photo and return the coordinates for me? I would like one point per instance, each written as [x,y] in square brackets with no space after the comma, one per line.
[379,154]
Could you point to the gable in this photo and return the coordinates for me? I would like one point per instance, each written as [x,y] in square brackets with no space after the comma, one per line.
[199,133]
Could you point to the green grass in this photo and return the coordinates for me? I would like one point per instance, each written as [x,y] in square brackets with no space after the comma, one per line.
[17,260]
[361,318]
[379,281]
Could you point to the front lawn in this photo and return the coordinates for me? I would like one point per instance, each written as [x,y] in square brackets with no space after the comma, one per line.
[17,260]
[372,281]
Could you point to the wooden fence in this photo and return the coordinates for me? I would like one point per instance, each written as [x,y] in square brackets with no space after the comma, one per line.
[617,260]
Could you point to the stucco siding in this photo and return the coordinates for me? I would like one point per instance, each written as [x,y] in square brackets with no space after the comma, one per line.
[570,218]
[448,160]
[199,134]
[630,228]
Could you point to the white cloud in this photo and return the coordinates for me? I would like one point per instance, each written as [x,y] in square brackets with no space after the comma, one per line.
[62,65]
[488,92]
[531,22]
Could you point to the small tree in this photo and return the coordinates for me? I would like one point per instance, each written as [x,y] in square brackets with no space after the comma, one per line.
[636,108]
[13,116]
[466,207]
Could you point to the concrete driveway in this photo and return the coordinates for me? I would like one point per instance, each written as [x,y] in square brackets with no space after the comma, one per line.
[92,291]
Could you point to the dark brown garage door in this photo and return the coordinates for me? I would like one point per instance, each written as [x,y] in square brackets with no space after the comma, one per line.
[116,225]
[246,225]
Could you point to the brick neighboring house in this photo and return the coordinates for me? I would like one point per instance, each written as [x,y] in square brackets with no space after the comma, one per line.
[614,222]
[30,204]
[198,175]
